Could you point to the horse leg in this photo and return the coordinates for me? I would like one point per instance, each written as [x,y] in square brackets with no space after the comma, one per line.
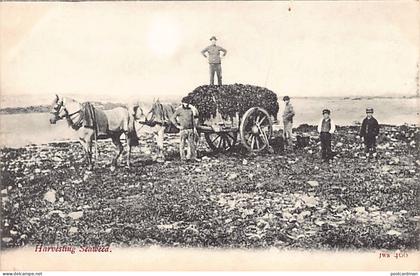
[159,141]
[128,150]
[86,141]
[117,143]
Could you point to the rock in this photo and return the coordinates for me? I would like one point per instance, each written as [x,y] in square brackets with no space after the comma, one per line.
[4,192]
[73,230]
[7,239]
[310,201]
[76,215]
[37,171]
[56,159]
[386,168]
[393,233]
[61,199]
[198,170]
[232,176]
[360,209]
[205,158]
[339,144]
[60,213]
[13,232]
[414,219]
[244,162]
[313,183]
[286,215]
[109,230]
[305,213]
[50,196]
[395,160]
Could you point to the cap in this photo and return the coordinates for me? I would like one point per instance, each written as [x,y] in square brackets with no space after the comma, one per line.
[326,111]
[213,37]
[369,110]
[286,98]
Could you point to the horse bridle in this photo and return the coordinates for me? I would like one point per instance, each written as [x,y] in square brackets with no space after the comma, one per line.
[67,115]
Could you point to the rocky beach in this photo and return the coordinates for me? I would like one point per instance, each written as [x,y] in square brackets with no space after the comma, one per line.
[287,200]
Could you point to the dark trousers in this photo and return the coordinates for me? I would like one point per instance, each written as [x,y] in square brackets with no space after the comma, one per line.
[370,143]
[326,146]
[216,68]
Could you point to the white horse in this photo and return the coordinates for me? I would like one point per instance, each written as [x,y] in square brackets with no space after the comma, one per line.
[92,124]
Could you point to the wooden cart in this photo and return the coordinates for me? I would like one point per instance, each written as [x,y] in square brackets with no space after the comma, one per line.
[255,128]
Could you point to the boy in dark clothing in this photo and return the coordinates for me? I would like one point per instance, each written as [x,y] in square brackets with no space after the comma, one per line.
[368,132]
[326,128]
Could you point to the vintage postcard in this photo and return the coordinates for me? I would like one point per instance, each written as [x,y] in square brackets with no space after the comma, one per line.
[201,135]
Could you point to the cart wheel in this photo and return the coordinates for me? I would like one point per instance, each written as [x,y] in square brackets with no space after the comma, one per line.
[221,141]
[256,129]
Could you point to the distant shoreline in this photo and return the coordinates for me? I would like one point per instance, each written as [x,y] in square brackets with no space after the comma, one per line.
[47,108]
[109,105]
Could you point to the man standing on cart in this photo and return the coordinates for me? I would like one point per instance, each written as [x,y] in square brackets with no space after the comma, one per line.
[215,63]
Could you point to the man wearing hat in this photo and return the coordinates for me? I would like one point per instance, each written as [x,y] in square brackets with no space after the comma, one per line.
[213,55]
[369,131]
[185,119]
[326,128]
[288,115]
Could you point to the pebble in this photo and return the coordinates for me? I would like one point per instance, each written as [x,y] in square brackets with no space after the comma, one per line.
[76,215]
[393,233]
[73,230]
[50,196]
[232,176]
[7,239]
[313,183]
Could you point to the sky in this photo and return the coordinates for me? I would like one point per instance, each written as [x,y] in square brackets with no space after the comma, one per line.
[123,50]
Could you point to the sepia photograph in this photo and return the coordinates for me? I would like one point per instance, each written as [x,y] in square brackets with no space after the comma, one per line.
[210,135]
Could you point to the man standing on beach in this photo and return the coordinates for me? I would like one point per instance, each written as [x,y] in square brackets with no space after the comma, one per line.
[368,132]
[215,63]
[184,118]
[288,115]
[326,128]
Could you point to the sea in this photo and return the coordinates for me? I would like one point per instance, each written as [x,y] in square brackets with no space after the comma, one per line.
[18,130]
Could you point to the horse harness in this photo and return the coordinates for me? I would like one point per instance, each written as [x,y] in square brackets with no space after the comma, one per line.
[74,125]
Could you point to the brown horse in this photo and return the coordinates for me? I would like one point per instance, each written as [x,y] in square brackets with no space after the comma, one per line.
[92,124]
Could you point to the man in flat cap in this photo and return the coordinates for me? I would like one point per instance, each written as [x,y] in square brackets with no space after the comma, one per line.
[368,132]
[213,55]
[326,128]
[185,119]
[288,115]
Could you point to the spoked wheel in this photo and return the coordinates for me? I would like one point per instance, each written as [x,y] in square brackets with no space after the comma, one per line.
[256,129]
[221,141]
